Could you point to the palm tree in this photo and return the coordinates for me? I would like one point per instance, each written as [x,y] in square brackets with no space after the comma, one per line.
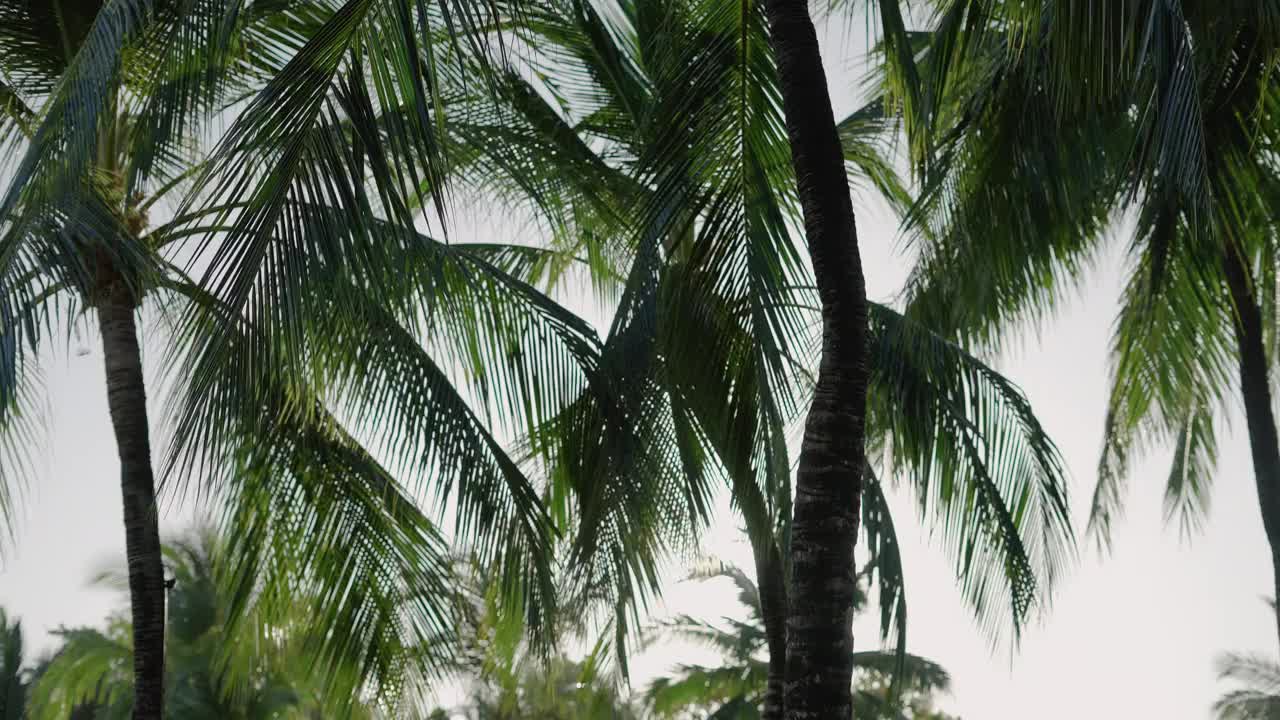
[511,677]
[885,686]
[660,161]
[262,671]
[559,689]
[1259,696]
[86,243]
[1171,124]
[14,678]
[106,108]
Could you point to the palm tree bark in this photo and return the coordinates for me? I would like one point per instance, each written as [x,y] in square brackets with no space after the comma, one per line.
[127,399]
[828,480]
[1255,386]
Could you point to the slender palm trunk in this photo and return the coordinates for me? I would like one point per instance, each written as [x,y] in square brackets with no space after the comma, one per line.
[127,398]
[1255,385]
[773,611]
[825,525]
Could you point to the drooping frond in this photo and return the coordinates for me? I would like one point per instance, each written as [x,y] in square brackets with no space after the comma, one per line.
[1173,359]
[321,525]
[967,442]
[312,520]
[867,136]
[885,563]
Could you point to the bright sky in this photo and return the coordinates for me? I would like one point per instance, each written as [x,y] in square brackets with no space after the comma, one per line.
[1130,636]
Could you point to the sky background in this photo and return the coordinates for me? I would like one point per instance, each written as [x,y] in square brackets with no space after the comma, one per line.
[1131,635]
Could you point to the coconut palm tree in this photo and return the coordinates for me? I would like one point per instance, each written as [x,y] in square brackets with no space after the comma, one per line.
[106,110]
[737,688]
[1170,125]
[659,160]
[96,143]
[260,672]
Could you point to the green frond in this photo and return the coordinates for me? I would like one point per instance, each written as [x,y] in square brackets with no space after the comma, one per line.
[14,680]
[298,481]
[80,109]
[31,302]
[473,342]
[867,136]
[621,461]
[1010,167]
[318,524]
[1259,699]
[916,673]
[92,667]
[1173,360]
[885,563]
[700,688]
[192,60]
[968,443]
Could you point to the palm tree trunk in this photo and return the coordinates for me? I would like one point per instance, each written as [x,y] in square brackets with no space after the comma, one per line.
[825,525]
[1255,385]
[127,399]
[773,611]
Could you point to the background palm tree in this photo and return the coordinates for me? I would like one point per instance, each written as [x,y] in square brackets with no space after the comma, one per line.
[1258,697]
[886,686]
[14,677]
[510,676]
[1257,680]
[261,671]
[558,689]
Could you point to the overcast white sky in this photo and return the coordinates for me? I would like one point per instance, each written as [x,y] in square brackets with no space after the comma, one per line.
[1130,636]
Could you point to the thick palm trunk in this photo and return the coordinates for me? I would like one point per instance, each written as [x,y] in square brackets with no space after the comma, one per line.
[825,526]
[773,611]
[127,398]
[1255,385]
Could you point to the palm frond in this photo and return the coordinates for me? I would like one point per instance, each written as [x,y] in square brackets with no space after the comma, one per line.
[696,687]
[1259,699]
[92,667]
[1173,358]
[916,673]
[81,106]
[523,357]
[967,441]
[1001,157]
[309,507]
[885,564]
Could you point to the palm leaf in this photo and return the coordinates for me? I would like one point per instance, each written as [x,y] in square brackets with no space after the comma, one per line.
[975,454]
